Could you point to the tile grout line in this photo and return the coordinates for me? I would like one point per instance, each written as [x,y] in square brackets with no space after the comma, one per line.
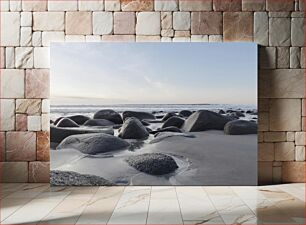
[213,205]
[18,189]
[149,205]
[116,205]
[257,190]
[93,195]
[31,199]
[178,201]
[55,207]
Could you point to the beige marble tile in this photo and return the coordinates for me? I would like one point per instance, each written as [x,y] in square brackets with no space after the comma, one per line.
[29,191]
[164,206]
[100,208]
[296,190]
[9,206]
[32,212]
[195,205]
[9,188]
[132,207]
[68,211]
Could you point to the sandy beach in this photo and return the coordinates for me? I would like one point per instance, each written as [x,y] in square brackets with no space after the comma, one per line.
[208,157]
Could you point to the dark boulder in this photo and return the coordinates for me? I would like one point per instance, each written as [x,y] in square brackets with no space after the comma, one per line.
[98,122]
[163,135]
[69,178]
[153,163]
[57,134]
[93,143]
[238,127]
[232,117]
[145,123]
[170,129]
[132,128]
[159,116]
[239,114]
[221,111]
[205,120]
[138,115]
[79,119]
[185,113]
[66,122]
[108,114]
[168,115]
[174,121]
[149,129]
[57,120]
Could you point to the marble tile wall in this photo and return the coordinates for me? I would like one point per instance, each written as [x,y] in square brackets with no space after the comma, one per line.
[28,27]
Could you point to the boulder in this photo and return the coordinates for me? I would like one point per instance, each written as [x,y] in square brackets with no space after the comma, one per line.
[145,123]
[79,119]
[108,114]
[170,129]
[205,120]
[163,135]
[232,116]
[98,122]
[159,116]
[57,134]
[221,111]
[238,127]
[93,143]
[57,120]
[153,163]
[174,121]
[69,178]
[66,122]
[185,113]
[168,115]
[138,115]
[132,128]
[149,129]
[239,114]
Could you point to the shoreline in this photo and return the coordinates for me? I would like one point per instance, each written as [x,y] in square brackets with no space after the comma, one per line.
[208,157]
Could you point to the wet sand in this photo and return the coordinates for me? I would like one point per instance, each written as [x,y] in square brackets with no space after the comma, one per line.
[211,158]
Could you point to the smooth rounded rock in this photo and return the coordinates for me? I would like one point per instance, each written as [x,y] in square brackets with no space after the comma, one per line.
[66,122]
[138,115]
[132,128]
[163,135]
[153,163]
[108,114]
[239,114]
[93,143]
[98,122]
[57,134]
[185,113]
[203,120]
[166,129]
[168,115]
[57,120]
[174,121]
[79,119]
[240,127]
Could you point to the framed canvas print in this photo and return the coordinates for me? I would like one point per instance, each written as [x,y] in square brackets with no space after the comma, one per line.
[153,114]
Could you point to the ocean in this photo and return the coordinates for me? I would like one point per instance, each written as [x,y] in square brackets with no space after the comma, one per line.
[89,110]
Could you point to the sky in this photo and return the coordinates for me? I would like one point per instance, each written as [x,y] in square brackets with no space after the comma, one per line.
[154,73]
